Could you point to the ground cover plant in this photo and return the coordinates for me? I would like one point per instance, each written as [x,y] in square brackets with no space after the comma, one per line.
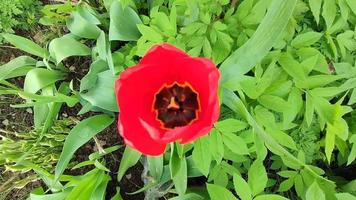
[253,99]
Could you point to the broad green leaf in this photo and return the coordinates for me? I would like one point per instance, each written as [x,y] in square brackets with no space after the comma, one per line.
[39,78]
[314,192]
[66,46]
[343,196]
[257,177]
[270,197]
[344,9]
[180,180]
[292,67]
[90,79]
[295,99]
[129,159]
[329,144]
[242,188]
[149,33]
[306,39]
[230,125]
[201,155]
[235,143]
[258,46]
[216,145]
[15,64]
[329,12]
[100,189]
[217,192]
[352,5]
[282,138]
[286,185]
[102,94]
[274,103]
[80,26]
[86,186]
[123,23]
[315,6]
[78,136]
[26,45]
[155,164]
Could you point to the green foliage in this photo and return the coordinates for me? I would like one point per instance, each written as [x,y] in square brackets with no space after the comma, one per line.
[287,91]
[18,14]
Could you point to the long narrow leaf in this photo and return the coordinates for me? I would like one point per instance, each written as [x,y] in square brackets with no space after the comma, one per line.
[266,35]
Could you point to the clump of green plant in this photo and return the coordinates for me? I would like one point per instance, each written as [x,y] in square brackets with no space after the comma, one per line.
[18,14]
[44,153]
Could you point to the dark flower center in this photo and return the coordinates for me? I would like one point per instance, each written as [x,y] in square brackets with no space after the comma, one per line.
[176,105]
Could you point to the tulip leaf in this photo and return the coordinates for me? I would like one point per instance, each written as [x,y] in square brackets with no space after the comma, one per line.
[80,135]
[7,70]
[257,47]
[26,45]
[80,26]
[129,159]
[39,78]
[123,23]
[102,94]
[66,46]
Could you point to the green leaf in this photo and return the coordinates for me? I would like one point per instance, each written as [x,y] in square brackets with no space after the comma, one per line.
[235,143]
[102,94]
[286,185]
[315,6]
[180,180]
[329,144]
[129,159]
[352,154]
[230,125]
[314,192]
[26,45]
[306,39]
[257,177]
[155,165]
[86,186]
[216,145]
[66,46]
[258,46]
[78,136]
[80,26]
[270,197]
[201,155]
[242,188]
[217,192]
[309,109]
[39,78]
[274,103]
[123,23]
[20,62]
[90,79]
[149,33]
[352,5]
[343,196]
[56,196]
[292,67]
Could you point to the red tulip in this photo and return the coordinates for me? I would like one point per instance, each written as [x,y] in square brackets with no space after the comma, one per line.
[169,96]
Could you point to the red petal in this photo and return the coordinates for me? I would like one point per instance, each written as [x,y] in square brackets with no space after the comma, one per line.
[136,87]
